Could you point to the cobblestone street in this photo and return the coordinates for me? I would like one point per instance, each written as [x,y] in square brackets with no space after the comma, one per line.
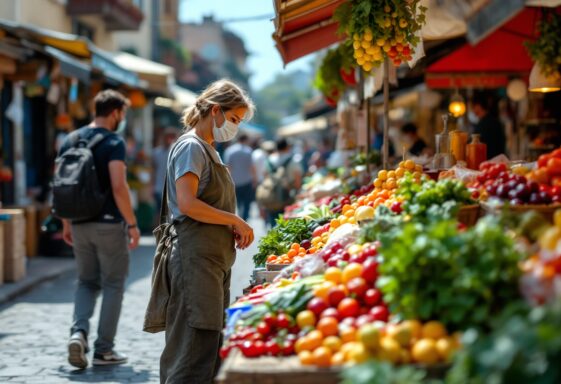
[34,328]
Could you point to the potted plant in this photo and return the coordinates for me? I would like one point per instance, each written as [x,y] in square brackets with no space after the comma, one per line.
[381,29]
[335,73]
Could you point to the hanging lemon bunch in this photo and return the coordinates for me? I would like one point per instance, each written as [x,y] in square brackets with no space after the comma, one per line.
[380,29]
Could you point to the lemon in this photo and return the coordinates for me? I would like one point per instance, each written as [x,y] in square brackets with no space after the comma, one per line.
[389,350]
[365,44]
[356,44]
[433,330]
[424,351]
[381,42]
[365,212]
[359,53]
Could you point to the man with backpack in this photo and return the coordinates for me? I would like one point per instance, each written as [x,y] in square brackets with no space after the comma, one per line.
[283,179]
[91,195]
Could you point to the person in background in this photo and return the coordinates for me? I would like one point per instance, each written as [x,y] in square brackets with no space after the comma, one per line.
[416,145]
[238,158]
[101,245]
[487,125]
[283,158]
[159,165]
[259,156]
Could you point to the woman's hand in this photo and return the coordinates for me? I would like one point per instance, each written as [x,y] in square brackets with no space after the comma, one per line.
[243,234]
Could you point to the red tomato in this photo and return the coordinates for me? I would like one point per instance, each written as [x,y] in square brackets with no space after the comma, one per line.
[331,312]
[287,348]
[264,328]
[225,351]
[317,306]
[554,166]
[270,319]
[380,313]
[335,296]
[372,297]
[542,160]
[556,153]
[252,348]
[284,321]
[370,270]
[357,286]
[348,307]
[273,348]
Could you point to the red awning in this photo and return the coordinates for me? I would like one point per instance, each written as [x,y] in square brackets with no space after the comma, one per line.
[304,26]
[491,62]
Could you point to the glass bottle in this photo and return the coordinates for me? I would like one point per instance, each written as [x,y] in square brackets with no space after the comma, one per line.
[458,143]
[476,152]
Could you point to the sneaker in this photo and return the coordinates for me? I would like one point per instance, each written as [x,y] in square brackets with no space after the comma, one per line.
[109,358]
[77,348]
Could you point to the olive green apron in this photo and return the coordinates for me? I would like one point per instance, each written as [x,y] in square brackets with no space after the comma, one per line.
[207,253]
[199,271]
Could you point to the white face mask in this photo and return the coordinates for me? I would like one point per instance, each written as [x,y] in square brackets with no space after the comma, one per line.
[226,132]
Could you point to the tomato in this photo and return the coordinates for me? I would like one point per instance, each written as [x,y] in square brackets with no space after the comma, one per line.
[331,312]
[284,321]
[264,328]
[348,307]
[335,296]
[357,286]
[256,288]
[556,153]
[225,351]
[317,305]
[252,348]
[380,313]
[287,348]
[372,297]
[396,207]
[272,348]
[542,160]
[270,319]
[554,166]
[370,270]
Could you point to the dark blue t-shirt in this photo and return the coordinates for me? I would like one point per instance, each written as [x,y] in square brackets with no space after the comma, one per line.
[111,148]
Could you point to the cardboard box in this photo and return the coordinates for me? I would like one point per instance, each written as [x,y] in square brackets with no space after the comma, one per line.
[32,226]
[14,244]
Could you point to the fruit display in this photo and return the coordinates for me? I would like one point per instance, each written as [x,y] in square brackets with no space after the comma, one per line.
[379,30]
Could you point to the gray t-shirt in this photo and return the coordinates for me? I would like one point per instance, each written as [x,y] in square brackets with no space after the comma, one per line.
[188,155]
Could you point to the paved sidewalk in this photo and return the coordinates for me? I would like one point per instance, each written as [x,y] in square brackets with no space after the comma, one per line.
[34,327]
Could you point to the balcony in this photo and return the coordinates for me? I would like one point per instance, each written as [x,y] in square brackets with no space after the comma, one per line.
[119,15]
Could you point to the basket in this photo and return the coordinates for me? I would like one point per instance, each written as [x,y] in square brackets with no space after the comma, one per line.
[469,214]
[546,210]
[276,267]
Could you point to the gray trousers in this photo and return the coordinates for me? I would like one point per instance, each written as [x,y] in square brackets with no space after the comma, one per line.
[102,258]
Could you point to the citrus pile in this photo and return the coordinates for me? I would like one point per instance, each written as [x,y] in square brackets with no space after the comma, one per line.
[296,252]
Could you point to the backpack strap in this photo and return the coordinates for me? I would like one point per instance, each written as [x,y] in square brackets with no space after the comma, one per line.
[96,140]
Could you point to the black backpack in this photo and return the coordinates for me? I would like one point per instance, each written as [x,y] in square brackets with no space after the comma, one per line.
[77,194]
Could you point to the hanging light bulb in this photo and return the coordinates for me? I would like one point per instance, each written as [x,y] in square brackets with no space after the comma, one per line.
[539,82]
[457,106]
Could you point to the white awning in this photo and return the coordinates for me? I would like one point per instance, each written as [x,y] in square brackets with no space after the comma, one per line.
[303,126]
[183,96]
[160,77]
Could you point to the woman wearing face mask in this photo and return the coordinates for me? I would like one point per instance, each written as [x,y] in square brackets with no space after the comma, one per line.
[202,205]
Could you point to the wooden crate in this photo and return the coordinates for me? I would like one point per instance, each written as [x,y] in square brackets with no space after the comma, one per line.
[14,244]
[237,369]
[469,214]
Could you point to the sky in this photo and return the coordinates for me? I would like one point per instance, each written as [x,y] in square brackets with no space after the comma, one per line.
[264,61]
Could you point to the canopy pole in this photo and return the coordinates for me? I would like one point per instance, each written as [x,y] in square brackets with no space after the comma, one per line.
[386,144]
[368,136]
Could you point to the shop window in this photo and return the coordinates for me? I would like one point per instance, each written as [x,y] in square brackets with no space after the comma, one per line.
[82,29]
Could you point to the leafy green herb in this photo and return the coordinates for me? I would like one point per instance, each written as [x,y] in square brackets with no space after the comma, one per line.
[376,372]
[546,49]
[278,240]
[523,347]
[436,272]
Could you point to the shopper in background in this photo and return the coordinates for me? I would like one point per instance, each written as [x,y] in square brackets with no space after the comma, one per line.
[159,164]
[238,158]
[415,145]
[202,206]
[101,245]
[487,125]
[282,158]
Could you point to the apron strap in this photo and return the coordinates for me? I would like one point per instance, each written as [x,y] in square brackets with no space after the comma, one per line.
[204,147]
[164,210]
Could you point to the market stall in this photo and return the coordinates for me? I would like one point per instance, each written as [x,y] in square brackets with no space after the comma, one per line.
[409,271]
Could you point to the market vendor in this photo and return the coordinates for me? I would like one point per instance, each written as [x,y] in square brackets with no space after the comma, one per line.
[416,146]
[488,126]
[202,206]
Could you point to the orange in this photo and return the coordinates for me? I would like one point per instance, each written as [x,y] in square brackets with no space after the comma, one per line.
[358,354]
[292,253]
[391,175]
[295,246]
[378,183]
[322,357]
[315,339]
[361,200]
[351,271]
[409,164]
[389,350]
[312,250]
[346,207]
[271,258]
[306,319]
[399,173]
[306,358]
[332,342]
[383,175]
[424,351]
[328,326]
[338,359]
[348,334]
[445,348]
[350,213]
[334,223]
[415,326]
[433,330]
[333,274]
[322,290]
[299,345]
